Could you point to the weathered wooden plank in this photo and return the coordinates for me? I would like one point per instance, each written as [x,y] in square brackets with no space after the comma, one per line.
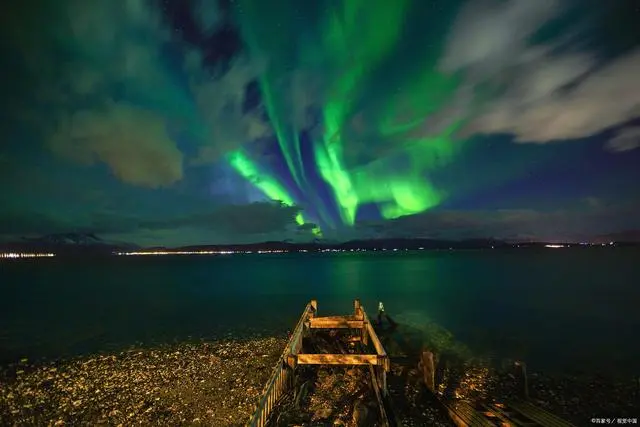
[371,333]
[338,359]
[336,322]
[295,342]
[272,389]
[384,421]
[514,414]
[539,415]
[498,411]
[348,317]
[464,415]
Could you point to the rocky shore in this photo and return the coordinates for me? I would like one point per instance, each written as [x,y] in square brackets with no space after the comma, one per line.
[218,383]
[580,398]
[205,383]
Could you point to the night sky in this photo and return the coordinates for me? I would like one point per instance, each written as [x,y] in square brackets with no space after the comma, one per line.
[191,122]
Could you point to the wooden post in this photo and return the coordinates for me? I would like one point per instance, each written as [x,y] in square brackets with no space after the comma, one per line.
[358,309]
[521,374]
[383,379]
[365,334]
[428,369]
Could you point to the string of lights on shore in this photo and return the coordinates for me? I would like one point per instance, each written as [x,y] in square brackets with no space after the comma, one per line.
[26,255]
[20,255]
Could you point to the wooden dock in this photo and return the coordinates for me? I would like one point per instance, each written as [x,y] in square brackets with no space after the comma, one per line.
[462,413]
[283,374]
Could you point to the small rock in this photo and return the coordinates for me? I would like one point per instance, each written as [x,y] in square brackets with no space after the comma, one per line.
[323,413]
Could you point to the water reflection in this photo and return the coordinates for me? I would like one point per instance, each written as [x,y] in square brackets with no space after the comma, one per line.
[348,276]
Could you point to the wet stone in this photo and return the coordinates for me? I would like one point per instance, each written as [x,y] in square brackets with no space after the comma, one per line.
[171,385]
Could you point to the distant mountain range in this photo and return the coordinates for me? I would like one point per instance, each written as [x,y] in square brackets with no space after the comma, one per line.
[78,244]
[384,244]
[380,244]
[67,244]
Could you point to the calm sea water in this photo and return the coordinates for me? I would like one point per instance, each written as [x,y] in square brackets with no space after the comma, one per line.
[557,309]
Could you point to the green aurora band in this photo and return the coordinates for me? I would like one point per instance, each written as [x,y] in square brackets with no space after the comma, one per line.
[265,183]
[351,44]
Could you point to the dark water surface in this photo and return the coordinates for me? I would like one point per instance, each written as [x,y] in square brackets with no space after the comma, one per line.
[557,309]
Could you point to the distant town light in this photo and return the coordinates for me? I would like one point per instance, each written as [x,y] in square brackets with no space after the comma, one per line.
[26,255]
[15,255]
[160,253]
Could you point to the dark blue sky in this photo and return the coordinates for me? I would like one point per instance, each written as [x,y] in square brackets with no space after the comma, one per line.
[172,123]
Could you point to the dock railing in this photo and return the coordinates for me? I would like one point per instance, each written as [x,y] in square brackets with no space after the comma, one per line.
[282,374]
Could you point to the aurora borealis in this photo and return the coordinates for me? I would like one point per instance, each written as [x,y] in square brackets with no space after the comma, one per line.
[169,122]
[350,42]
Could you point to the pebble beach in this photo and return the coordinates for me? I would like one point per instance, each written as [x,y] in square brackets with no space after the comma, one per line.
[217,383]
[207,383]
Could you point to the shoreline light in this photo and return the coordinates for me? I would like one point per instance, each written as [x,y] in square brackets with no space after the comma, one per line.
[18,255]
[160,253]
[14,255]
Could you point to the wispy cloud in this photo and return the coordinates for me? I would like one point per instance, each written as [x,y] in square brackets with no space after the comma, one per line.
[625,139]
[545,91]
[559,224]
[225,125]
[104,87]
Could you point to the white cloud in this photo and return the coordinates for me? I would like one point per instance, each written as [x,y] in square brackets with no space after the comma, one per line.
[603,99]
[489,35]
[626,139]
[547,92]
[133,142]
